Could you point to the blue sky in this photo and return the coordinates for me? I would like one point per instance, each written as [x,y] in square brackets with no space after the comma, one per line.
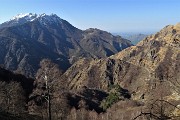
[110,15]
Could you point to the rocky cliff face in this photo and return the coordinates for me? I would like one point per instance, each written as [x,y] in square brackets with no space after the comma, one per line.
[27,39]
[100,74]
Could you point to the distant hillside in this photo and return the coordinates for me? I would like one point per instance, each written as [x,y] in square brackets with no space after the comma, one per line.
[134,38]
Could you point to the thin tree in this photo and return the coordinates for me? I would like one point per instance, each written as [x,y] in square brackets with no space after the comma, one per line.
[50,91]
[48,97]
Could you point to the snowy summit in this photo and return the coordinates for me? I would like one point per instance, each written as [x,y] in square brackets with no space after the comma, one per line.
[32,16]
[29,17]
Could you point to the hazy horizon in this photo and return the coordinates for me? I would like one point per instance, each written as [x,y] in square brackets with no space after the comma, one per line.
[115,16]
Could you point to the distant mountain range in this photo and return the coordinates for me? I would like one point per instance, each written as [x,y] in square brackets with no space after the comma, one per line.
[133,37]
[26,39]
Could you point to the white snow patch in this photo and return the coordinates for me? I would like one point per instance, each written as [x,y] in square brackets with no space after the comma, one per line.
[43,18]
[27,16]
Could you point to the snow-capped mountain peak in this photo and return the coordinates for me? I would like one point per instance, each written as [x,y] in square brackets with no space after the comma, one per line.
[20,19]
[52,18]
[33,16]
[27,16]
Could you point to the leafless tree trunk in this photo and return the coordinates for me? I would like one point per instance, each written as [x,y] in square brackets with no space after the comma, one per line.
[48,97]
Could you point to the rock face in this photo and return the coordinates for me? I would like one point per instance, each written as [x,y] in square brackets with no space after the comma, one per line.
[150,71]
[100,74]
[27,39]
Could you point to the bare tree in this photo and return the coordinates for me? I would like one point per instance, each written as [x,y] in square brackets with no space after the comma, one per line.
[50,87]
[47,96]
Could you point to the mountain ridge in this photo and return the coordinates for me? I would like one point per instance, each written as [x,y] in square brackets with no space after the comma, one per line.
[149,71]
[55,39]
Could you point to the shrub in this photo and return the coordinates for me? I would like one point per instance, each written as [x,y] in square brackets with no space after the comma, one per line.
[116,93]
[109,100]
